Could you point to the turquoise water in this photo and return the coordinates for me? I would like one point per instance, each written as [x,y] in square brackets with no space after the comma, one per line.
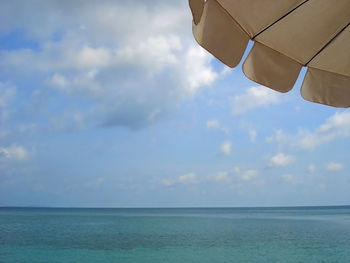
[175,235]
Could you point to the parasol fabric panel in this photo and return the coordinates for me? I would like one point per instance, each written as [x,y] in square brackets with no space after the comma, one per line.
[197,7]
[306,30]
[326,88]
[219,34]
[270,68]
[256,15]
[336,56]
[288,35]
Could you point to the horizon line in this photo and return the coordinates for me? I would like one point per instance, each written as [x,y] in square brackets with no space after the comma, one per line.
[177,207]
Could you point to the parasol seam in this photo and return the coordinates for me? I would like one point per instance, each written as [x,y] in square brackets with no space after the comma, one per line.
[273,23]
[327,44]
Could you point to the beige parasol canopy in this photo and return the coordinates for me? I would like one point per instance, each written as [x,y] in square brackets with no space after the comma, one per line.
[287,34]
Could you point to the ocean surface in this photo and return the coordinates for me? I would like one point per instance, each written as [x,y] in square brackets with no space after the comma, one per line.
[215,235]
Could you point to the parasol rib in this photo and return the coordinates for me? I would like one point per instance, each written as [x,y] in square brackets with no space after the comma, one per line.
[330,41]
[289,12]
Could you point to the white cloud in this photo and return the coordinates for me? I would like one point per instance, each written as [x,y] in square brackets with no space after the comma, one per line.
[168,182]
[186,179]
[220,177]
[335,127]
[252,135]
[15,153]
[58,56]
[216,125]
[281,159]
[246,175]
[255,97]
[89,57]
[289,178]
[59,81]
[237,169]
[311,168]
[225,148]
[249,175]
[213,124]
[225,177]
[198,72]
[189,178]
[279,137]
[226,70]
[339,122]
[333,166]
[153,53]
[132,72]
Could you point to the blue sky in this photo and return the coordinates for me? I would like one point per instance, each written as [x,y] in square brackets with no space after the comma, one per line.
[114,104]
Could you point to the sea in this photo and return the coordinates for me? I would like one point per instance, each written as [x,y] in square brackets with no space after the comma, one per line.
[175,235]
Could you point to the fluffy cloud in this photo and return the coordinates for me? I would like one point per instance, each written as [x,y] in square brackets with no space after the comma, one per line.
[333,166]
[255,97]
[213,124]
[279,137]
[13,153]
[252,135]
[198,71]
[225,148]
[102,19]
[216,125]
[281,159]
[335,127]
[248,175]
[189,178]
[220,177]
[237,176]
[130,72]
